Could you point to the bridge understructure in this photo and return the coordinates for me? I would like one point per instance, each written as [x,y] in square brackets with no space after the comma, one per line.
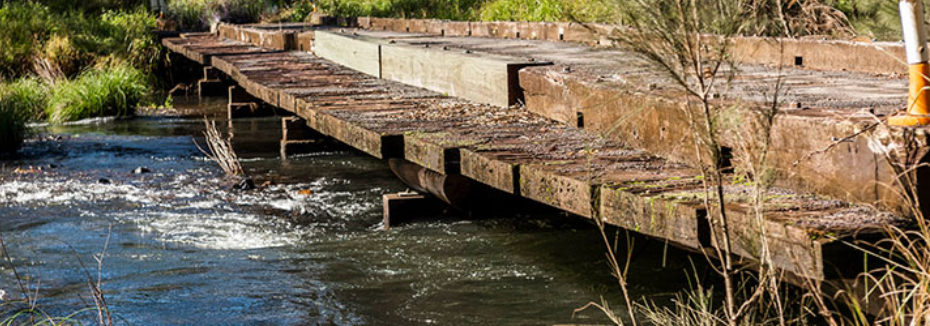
[561,116]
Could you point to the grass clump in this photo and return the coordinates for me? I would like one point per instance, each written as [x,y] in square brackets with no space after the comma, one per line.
[20,102]
[115,91]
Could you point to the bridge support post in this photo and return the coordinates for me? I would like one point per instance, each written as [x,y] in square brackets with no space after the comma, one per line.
[297,137]
[210,84]
[240,103]
[402,207]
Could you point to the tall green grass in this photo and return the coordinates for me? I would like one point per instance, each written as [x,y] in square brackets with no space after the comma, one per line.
[20,102]
[115,91]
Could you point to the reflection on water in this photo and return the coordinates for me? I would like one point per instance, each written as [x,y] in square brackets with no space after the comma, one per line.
[186,249]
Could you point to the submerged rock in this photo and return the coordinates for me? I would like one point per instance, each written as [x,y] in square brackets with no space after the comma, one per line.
[103,181]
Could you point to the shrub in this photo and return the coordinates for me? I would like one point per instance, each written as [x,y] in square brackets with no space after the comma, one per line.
[124,34]
[298,11]
[439,9]
[61,51]
[25,26]
[129,35]
[875,18]
[20,101]
[198,15]
[524,10]
[114,91]
[190,14]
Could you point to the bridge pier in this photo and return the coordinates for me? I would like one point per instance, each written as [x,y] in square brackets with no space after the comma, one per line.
[240,104]
[402,207]
[297,137]
[210,84]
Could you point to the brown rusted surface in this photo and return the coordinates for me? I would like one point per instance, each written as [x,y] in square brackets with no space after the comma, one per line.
[525,153]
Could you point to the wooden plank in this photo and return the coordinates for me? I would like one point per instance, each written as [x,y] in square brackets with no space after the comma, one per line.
[359,53]
[480,77]
[498,174]
[556,190]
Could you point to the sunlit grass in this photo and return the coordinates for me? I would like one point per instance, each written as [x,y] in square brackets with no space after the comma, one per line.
[115,91]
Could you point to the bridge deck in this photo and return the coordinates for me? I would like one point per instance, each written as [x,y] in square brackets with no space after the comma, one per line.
[527,154]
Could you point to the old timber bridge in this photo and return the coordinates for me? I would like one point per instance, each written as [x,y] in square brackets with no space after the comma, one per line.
[555,113]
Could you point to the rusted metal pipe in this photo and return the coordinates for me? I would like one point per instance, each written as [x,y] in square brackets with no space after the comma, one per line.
[454,190]
[915,45]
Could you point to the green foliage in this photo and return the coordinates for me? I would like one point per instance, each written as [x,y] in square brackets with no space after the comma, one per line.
[20,101]
[524,10]
[602,11]
[25,26]
[115,91]
[73,39]
[439,9]
[90,6]
[125,35]
[301,10]
[198,15]
[128,35]
[595,11]
[873,18]
[190,14]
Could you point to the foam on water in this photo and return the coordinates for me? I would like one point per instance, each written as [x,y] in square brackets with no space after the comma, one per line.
[211,230]
[186,212]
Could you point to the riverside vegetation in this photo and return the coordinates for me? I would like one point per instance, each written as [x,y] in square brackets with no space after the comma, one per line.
[61,61]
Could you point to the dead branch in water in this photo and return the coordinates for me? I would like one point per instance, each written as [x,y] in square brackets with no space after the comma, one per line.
[220,150]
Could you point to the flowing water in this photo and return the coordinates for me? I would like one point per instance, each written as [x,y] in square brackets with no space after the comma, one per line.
[185,248]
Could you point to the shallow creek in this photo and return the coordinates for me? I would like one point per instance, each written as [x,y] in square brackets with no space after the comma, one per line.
[184,248]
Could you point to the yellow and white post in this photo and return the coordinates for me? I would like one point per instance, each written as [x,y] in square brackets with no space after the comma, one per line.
[915,46]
